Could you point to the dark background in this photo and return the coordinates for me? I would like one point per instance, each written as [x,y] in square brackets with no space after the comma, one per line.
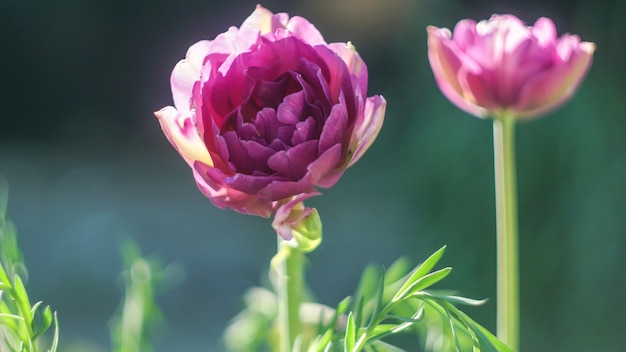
[88,166]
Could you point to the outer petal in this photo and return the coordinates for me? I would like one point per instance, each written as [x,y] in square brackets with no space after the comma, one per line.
[446,62]
[182,133]
[186,73]
[347,52]
[211,183]
[552,88]
[365,133]
[259,21]
[305,30]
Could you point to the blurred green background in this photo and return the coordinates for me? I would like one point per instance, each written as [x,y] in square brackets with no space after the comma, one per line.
[88,166]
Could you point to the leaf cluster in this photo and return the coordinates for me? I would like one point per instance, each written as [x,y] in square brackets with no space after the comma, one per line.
[21,325]
[394,301]
[386,303]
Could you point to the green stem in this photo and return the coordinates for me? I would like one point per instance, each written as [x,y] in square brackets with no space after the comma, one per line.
[506,219]
[290,280]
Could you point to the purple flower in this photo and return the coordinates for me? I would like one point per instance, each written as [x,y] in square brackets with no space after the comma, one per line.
[266,112]
[501,66]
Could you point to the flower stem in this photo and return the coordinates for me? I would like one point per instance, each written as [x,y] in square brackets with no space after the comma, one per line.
[506,220]
[290,280]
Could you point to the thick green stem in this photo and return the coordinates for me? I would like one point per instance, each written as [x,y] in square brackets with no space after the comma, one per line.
[506,219]
[290,280]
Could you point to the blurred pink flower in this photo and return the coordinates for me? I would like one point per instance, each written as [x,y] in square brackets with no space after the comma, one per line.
[266,112]
[502,66]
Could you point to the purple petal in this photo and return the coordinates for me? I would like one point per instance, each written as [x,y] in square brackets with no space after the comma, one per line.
[211,183]
[334,131]
[293,163]
[366,132]
[290,111]
[305,130]
[326,170]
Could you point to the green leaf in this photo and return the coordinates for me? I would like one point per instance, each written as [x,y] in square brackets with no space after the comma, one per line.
[427,281]
[321,342]
[33,310]
[358,312]
[343,306]
[350,336]
[486,338]
[390,329]
[455,337]
[379,297]
[419,272]
[45,322]
[5,284]
[11,316]
[366,290]
[397,270]
[21,299]
[451,299]
[55,339]
[384,346]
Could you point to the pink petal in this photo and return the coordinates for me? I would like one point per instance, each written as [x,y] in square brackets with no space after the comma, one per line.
[328,168]
[356,66]
[305,31]
[553,87]
[545,31]
[181,132]
[259,21]
[366,132]
[446,61]
[186,73]
[215,188]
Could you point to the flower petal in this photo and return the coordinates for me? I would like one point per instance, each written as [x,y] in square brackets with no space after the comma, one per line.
[367,130]
[186,73]
[211,183]
[552,88]
[445,61]
[181,132]
[259,21]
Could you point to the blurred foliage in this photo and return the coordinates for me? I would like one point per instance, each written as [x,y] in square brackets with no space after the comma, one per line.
[21,325]
[386,303]
[139,314]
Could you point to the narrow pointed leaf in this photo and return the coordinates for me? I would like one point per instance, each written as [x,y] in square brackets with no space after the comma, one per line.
[397,270]
[21,299]
[419,272]
[488,341]
[349,338]
[428,280]
[33,310]
[55,339]
[379,297]
[46,321]
[452,299]
[4,279]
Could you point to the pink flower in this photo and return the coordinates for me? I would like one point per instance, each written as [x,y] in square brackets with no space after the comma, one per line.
[501,66]
[266,112]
